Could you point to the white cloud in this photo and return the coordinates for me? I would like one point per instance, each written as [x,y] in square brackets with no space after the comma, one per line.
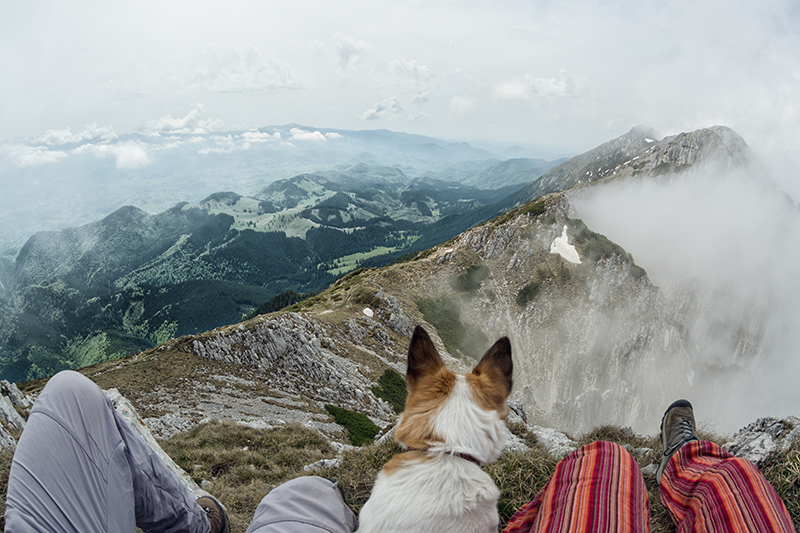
[460,106]
[387,108]
[527,86]
[255,136]
[411,69]
[333,135]
[91,132]
[417,117]
[228,68]
[421,98]
[190,123]
[28,156]
[128,154]
[298,134]
[350,53]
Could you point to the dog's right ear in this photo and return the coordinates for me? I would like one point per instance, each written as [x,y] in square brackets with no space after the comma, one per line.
[423,359]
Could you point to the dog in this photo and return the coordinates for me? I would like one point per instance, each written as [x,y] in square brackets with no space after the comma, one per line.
[451,426]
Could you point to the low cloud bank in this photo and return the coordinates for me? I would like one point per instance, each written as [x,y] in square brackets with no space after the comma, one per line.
[724,248]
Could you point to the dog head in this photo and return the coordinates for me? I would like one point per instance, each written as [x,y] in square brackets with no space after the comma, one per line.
[445,411]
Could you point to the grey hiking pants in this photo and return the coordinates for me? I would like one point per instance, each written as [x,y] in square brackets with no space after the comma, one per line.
[80,467]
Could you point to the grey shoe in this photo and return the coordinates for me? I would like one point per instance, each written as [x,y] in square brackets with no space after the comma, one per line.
[216,514]
[677,428]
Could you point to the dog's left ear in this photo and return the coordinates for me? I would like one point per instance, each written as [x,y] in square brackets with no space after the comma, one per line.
[423,359]
[497,364]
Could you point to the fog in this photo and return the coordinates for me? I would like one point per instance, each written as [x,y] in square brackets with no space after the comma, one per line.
[724,248]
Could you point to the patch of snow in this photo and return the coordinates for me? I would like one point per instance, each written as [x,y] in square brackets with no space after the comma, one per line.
[648,140]
[368,312]
[562,247]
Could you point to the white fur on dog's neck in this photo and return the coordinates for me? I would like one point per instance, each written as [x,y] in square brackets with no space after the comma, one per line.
[466,427]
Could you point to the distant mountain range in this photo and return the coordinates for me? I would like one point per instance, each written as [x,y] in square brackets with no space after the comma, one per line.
[128,281]
[54,184]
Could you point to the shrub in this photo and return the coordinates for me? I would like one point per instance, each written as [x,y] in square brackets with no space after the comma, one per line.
[276,303]
[392,388]
[360,428]
[472,277]
[528,293]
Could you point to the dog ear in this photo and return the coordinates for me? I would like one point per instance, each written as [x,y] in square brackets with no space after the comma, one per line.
[497,364]
[422,358]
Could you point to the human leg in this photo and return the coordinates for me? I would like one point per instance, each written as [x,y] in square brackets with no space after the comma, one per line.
[599,487]
[304,505]
[80,467]
[706,489]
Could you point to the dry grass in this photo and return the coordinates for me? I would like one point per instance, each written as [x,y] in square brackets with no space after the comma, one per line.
[782,470]
[243,464]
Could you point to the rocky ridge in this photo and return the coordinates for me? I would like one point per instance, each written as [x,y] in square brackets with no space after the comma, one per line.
[639,153]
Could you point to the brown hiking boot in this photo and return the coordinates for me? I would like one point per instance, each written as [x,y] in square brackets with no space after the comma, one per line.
[677,428]
[216,514]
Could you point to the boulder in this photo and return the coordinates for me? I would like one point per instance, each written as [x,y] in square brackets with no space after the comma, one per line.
[756,441]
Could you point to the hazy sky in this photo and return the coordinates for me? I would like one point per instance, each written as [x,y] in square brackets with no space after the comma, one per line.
[567,73]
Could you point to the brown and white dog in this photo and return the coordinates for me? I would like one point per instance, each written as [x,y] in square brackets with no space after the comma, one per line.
[451,426]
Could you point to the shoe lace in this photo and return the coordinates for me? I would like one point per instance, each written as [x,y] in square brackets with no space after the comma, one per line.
[685,434]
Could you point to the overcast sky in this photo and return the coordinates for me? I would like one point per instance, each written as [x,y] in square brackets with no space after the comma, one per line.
[566,73]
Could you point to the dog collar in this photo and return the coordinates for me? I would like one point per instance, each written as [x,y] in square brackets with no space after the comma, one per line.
[468,457]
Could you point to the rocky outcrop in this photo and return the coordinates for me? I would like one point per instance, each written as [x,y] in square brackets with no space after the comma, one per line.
[11,399]
[757,441]
[639,153]
[301,355]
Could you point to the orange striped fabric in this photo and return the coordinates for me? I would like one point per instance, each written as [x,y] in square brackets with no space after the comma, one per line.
[598,488]
[706,489]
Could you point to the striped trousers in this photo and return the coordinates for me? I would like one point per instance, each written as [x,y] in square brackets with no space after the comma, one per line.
[599,488]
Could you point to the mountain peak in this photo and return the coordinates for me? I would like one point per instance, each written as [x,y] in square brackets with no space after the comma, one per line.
[640,153]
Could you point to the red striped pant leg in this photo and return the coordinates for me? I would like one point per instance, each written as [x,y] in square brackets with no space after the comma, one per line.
[706,489]
[598,488]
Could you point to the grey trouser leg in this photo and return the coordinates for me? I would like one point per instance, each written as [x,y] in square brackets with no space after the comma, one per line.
[304,505]
[80,467]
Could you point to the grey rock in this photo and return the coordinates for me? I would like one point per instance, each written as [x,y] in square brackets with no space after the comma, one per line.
[6,439]
[556,443]
[516,413]
[165,426]
[756,441]
[13,393]
[515,444]
[9,415]
[323,464]
[650,470]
